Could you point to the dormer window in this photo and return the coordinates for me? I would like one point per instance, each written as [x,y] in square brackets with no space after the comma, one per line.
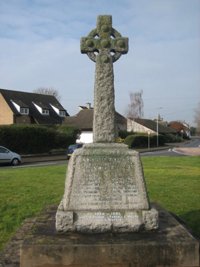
[20,107]
[24,111]
[60,112]
[42,108]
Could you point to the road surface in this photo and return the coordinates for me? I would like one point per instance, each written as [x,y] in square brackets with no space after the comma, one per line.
[189,148]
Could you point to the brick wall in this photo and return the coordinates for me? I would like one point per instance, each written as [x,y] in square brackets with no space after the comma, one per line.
[6,114]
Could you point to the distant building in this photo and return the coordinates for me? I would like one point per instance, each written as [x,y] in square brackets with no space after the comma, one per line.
[148,126]
[30,108]
[182,128]
[83,121]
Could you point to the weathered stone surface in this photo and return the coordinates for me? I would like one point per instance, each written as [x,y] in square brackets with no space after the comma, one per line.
[104,39]
[104,129]
[104,45]
[170,245]
[105,191]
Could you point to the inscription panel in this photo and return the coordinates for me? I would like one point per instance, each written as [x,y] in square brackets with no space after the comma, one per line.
[104,182]
[113,216]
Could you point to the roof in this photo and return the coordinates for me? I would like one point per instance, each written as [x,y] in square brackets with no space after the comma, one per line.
[20,103]
[84,119]
[25,99]
[152,125]
[178,126]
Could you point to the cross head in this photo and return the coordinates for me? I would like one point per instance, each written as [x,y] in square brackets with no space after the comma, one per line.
[104,43]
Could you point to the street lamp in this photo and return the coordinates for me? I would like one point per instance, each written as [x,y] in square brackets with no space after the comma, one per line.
[157,128]
[148,139]
[157,131]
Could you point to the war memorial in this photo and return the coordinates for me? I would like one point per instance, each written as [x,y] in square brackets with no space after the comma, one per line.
[105,217]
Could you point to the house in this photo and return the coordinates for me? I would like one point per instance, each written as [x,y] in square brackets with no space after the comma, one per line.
[182,128]
[83,121]
[30,108]
[148,126]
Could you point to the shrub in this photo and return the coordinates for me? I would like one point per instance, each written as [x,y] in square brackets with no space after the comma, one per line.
[27,139]
[153,140]
[136,141]
[141,141]
[171,138]
[129,140]
[123,134]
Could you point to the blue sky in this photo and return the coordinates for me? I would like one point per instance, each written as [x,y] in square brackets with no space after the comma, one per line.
[40,47]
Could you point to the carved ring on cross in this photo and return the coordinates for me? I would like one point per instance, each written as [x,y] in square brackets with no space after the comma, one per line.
[114,54]
[104,42]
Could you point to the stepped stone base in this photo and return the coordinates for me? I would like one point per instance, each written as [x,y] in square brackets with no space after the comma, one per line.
[170,245]
[105,192]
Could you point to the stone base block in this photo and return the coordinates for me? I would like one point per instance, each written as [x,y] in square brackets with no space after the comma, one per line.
[106,221]
[105,191]
[170,245]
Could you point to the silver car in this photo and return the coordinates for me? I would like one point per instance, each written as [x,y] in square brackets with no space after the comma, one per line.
[9,157]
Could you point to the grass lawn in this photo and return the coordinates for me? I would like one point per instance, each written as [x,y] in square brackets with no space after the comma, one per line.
[26,191]
[173,182]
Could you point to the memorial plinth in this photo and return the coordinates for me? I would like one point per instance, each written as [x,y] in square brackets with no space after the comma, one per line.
[105,191]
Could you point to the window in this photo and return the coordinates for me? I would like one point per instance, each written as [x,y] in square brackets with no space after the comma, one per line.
[24,111]
[3,150]
[62,113]
[45,111]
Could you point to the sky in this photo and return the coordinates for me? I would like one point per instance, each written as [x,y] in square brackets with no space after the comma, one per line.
[40,47]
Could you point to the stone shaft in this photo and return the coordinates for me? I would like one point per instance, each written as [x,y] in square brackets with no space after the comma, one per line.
[104,108]
[104,45]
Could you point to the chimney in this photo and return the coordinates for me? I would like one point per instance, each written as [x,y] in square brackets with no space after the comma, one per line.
[88,105]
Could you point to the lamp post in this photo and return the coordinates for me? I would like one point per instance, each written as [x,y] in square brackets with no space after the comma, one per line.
[157,128]
[157,131]
[148,139]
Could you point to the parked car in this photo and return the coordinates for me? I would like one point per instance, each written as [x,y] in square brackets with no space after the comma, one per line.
[9,157]
[72,148]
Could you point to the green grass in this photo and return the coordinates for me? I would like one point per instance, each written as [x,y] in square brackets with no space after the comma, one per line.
[26,191]
[173,182]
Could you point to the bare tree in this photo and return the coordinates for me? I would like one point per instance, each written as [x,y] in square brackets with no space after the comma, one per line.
[197,117]
[48,91]
[135,108]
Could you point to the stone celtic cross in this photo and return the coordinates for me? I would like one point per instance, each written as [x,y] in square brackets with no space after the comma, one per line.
[104,45]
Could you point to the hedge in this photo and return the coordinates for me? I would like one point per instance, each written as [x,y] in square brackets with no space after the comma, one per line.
[171,138]
[141,141]
[28,139]
[123,134]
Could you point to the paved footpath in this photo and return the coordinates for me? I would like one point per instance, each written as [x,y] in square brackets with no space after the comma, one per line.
[189,151]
